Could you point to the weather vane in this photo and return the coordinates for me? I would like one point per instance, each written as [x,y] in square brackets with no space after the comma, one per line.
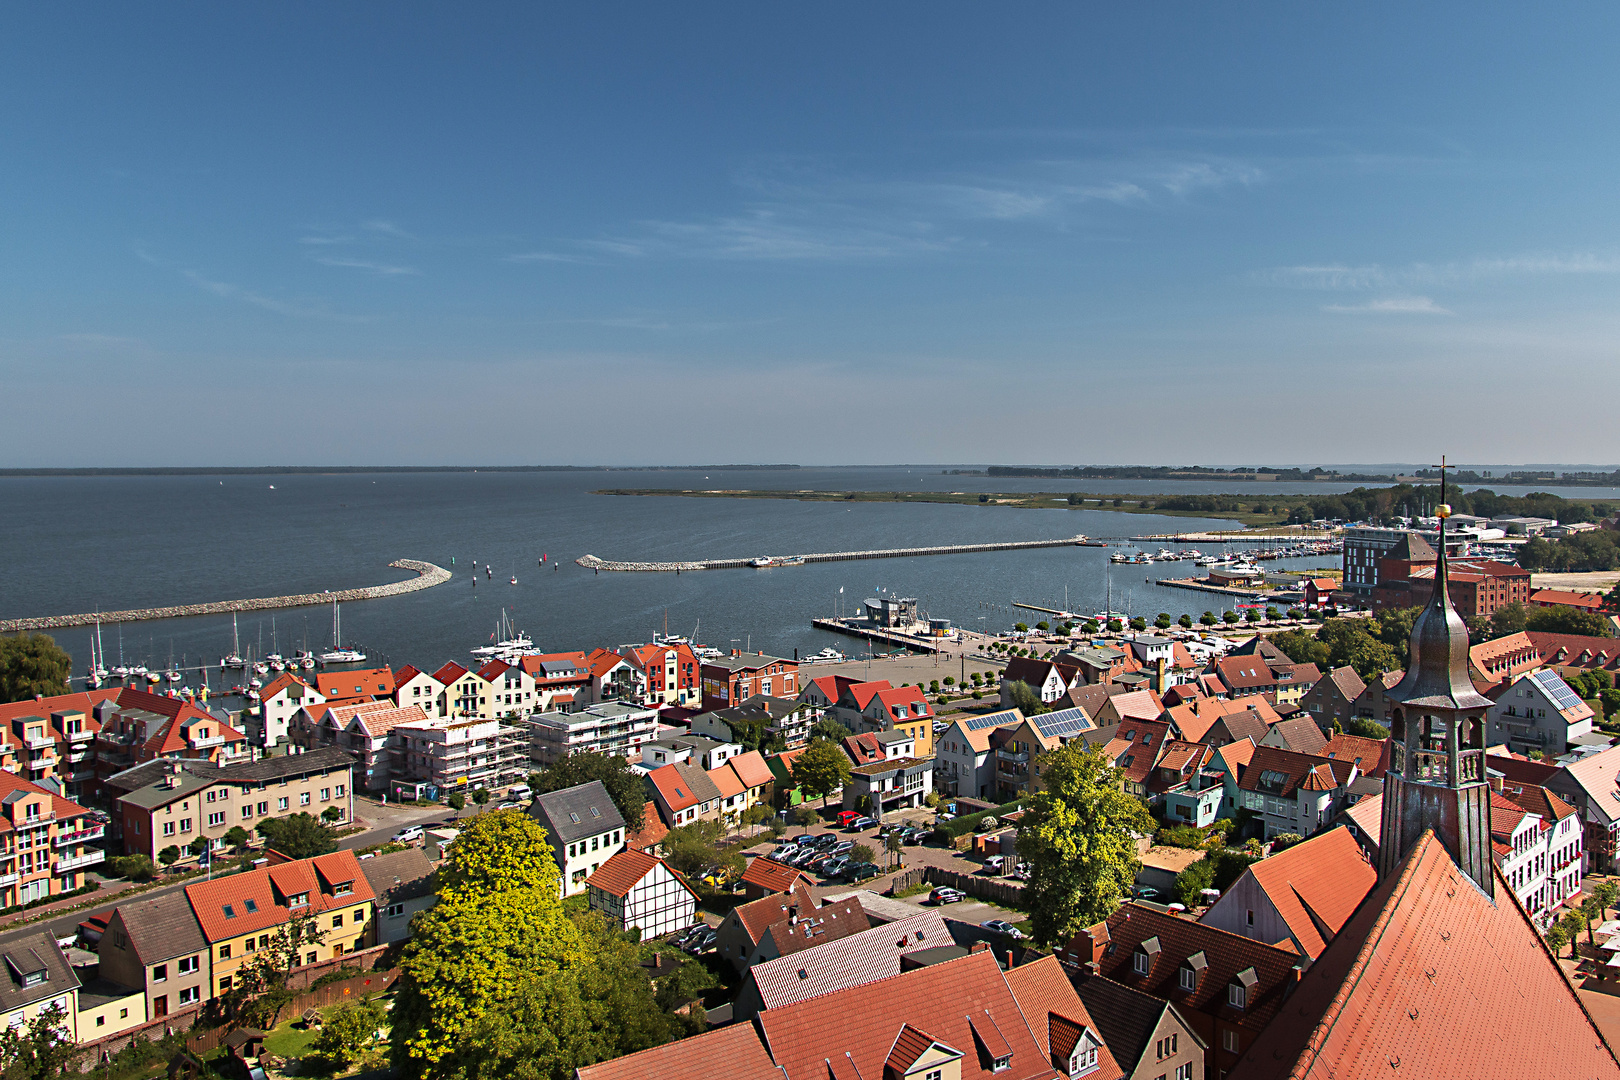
[1442,511]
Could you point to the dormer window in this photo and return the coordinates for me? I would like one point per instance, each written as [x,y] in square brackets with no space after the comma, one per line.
[1146,952]
[1239,989]
[343,888]
[298,900]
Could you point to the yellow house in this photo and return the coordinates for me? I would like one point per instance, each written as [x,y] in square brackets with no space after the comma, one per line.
[243,913]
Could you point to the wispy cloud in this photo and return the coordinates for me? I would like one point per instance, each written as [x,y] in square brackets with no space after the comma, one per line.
[1339,276]
[321,241]
[384,269]
[1393,305]
[289,308]
[386,228]
[803,212]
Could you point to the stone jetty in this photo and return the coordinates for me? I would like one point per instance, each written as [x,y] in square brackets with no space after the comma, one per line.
[591,562]
[427,576]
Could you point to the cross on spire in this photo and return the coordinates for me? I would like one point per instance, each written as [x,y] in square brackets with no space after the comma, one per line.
[1442,467]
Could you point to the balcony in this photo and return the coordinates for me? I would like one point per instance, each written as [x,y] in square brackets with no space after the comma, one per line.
[212,740]
[35,742]
[1015,758]
[93,832]
[79,862]
[8,878]
[80,736]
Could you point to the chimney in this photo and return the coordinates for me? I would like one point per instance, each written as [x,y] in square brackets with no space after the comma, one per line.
[979,946]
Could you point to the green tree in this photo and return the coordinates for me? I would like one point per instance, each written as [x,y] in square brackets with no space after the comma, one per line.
[1252,615]
[829,729]
[624,785]
[1043,626]
[1563,620]
[137,868]
[1573,924]
[1508,619]
[1191,882]
[1302,647]
[754,815]
[32,665]
[1025,699]
[892,848]
[862,853]
[457,801]
[1273,614]
[332,815]
[821,769]
[1076,834]
[349,1032]
[1163,622]
[40,1049]
[169,855]
[1607,892]
[481,797]
[1185,622]
[1229,617]
[1115,626]
[1394,627]
[1365,727]
[804,815]
[499,851]
[300,836]
[198,847]
[1207,618]
[1022,628]
[1138,624]
[1556,937]
[238,838]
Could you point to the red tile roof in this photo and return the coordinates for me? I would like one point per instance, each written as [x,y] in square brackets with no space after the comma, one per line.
[1298,770]
[603,661]
[238,904]
[757,916]
[449,673]
[1370,755]
[63,808]
[818,926]
[369,683]
[751,769]
[1047,999]
[726,779]
[653,829]
[621,873]
[771,875]
[1195,719]
[734,1052]
[856,960]
[281,682]
[909,699]
[1316,886]
[964,1003]
[1245,673]
[43,707]
[1431,978]
[864,692]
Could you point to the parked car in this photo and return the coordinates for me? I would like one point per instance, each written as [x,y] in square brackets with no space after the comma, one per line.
[994,863]
[942,818]
[1145,892]
[1002,926]
[834,866]
[681,938]
[842,847]
[804,838]
[781,854]
[861,871]
[802,856]
[944,894]
[826,840]
[700,943]
[847,816]
[817,859]
[912,837]
[861,823]
[509,804]
[408,834]
[519,791]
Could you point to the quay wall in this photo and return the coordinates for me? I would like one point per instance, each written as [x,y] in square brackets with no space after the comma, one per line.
[591,562]
[427,576]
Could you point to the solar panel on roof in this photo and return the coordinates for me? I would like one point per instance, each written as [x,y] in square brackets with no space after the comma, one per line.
[1062,723]
[1557,689]
[995,719]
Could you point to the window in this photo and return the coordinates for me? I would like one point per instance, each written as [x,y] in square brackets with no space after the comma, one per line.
[101,1021]
[168,828]
[1248,919]
[216,818]
[326,794]
[396,911]
[309,958]
[251,904]
[337,920]
[247,811]
[339,790]
[249,944]
[230,912]
[264,808]
[343,888]
[1166,1047]
[224,954]
[190,994]
[1188,979]
[303,798]
[160,973]
[1140,962]
[1184,1072]
[1229,1041]
[282,803]
[1236,995]
[359,915]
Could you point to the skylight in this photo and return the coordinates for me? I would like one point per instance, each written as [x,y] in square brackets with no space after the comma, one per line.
[230,912]
[251,904]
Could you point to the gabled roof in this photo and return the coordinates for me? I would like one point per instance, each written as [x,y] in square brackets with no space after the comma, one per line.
[963,1003]
[1044,992]
[682,785]
[1197,718]
[1538,800]
[603,661]
[1300,733]
[817,927]
[449,673]
[238,904]
[1316,886]
[734,1052]
[494,669]
[863,693]
[1262,648]
[1282,772]
[368,682]
[377,718]
[1347,682]
[1596,774]
[1226,956]
[856,960]
[285,681]
[771,875]
[12,785]
[1412,548]
[1370,755]
[399,875]
[751,769]
[161,928]
[653,829]
[1245,673]
[38,955]
[1137,705]
[909,700]
[572,813]
[1431,976]
[726,780]
[756,916]
[1126,1018]
[626,870]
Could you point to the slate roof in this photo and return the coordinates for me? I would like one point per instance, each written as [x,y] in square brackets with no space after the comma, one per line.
[1347,682]
[682,785]
[32,953]
[1316,885]
[1300,734]
[577,812]
[161,928]
[859,959]
[399,875]
[1433,979]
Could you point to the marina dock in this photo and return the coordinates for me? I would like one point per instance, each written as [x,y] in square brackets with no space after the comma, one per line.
[591,562]
[427,576]
[1222,590]
[860,628]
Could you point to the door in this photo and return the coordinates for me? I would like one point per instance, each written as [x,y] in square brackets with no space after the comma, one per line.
[160,1006]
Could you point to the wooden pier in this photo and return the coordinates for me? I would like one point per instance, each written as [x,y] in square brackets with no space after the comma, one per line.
[591,562]
[859,628]
[427,576]
[1222,590]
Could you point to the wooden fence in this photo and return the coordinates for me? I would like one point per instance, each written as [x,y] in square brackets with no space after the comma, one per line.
[995,890]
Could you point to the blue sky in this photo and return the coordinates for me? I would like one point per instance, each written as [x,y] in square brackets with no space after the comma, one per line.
[638,233]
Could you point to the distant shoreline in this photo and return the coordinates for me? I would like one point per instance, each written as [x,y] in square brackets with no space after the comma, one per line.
[324,470]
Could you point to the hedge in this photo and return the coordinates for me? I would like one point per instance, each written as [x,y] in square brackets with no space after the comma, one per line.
[965,824]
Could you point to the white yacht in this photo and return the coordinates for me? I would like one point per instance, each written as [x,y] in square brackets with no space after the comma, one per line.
[338,654]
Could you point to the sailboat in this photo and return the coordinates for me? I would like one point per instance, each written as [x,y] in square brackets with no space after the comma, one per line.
[122,670]
[505,642]
[275,659]
[96,672]
[338,654]
[514,575]
[234,661]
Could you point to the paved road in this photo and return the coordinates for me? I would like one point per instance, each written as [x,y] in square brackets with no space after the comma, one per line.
[64,925]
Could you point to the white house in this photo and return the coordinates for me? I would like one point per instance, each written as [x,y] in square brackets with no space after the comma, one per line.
[278,702]
[1536,840]
[585,828]
[510,689]
[414,687]
[963,761]
[1537,711]
[636,890]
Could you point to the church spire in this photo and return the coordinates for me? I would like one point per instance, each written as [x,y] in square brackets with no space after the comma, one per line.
[1437,779]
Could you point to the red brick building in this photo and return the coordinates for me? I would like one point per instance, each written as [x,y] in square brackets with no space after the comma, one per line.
[732,680]
[1478,586]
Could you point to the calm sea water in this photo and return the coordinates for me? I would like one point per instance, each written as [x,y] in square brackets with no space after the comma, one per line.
[82,543]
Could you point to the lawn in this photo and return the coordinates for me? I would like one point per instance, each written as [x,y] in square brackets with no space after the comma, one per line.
[288,1041]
